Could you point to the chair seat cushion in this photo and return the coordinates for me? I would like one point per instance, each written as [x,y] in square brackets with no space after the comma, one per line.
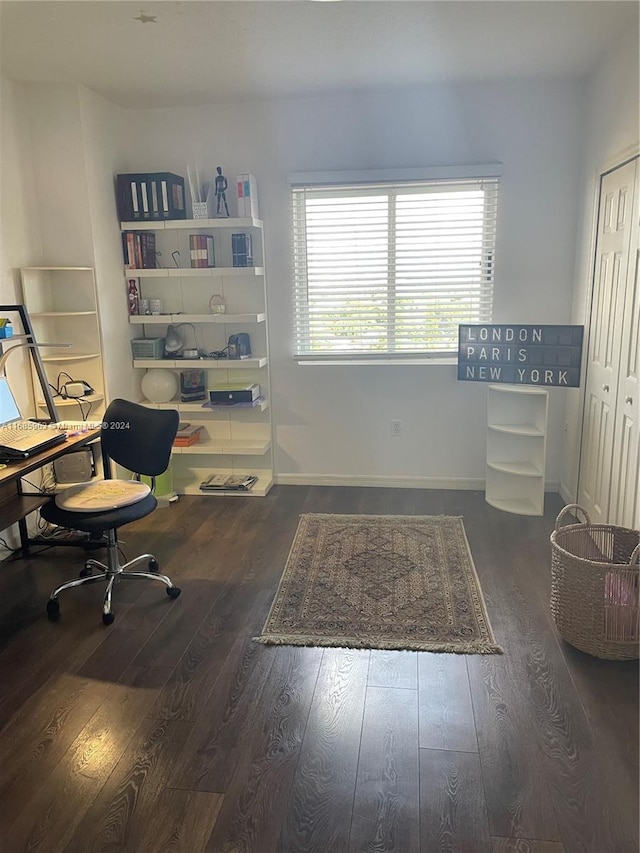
[98,522]
[101,495]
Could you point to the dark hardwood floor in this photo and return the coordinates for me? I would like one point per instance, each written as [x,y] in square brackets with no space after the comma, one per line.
[172,731]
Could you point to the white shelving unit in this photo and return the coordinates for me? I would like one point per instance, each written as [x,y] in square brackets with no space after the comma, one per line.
[516,448]
[234,439]
[63,306]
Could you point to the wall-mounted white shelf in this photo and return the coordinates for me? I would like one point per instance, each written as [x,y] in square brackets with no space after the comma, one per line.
[202,363]
[516,448]
[225,319]
[228,447]
[191,224]
[193,272]
[235,439]
[260,405]
[188,482]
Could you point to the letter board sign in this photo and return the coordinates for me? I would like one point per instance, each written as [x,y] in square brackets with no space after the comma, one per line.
[520,355]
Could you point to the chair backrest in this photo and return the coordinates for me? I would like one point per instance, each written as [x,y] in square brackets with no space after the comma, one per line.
[139,438]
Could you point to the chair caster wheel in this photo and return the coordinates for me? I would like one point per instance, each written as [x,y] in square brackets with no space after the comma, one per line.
[173,591]
[86,572]
[153,565]
[108,618]
[53,609]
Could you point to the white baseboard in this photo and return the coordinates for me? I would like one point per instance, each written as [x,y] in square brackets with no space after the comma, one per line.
[565,494]
[380,482]
[450,483]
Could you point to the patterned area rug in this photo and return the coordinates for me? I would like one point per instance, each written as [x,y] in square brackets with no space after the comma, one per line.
[380,582]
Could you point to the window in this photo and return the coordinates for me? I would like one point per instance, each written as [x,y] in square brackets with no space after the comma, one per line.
[389,270]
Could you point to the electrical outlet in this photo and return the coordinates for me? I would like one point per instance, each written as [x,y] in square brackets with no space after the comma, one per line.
[396,427]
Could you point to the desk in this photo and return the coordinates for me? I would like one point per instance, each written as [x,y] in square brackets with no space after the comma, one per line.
[14,506]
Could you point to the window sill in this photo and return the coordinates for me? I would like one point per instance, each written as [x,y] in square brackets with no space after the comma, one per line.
[386,362]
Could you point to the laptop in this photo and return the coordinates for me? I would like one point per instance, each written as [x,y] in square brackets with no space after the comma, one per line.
[21,439]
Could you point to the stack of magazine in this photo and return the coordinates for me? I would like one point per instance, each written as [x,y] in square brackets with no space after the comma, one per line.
[228,482]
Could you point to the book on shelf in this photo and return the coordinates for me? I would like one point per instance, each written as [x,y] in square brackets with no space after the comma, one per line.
[247,193]
[188,435]
[241,250]
[145,199]
[228,482]
[139,250]
[155,210]
[201,251]
[186,442]
[240,196]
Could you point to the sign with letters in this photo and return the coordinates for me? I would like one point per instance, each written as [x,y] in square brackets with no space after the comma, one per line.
[521,355]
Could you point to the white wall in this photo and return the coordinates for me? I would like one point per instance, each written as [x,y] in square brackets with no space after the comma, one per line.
[20,242]
[58,159]
[335,421]
[613,97]
[77,145]
[103,136]
[20,238]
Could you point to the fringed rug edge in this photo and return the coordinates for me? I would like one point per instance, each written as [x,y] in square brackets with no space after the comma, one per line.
[478,648]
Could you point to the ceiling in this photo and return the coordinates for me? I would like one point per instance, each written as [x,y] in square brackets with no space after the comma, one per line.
[154,54]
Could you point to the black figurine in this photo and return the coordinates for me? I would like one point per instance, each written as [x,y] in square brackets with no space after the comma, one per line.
[221,193]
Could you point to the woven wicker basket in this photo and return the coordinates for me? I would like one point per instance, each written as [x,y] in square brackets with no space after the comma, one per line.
[594,586]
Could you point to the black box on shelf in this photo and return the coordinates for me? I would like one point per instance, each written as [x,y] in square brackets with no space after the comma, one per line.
[150,196]
[234,392]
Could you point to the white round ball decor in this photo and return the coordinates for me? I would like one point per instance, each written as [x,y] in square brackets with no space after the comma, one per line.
[159,385]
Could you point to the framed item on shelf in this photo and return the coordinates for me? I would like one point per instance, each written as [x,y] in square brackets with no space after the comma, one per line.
[193,385]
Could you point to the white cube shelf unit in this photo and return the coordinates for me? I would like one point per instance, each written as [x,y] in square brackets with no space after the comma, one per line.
[63,307]
[516,448]
[234,439]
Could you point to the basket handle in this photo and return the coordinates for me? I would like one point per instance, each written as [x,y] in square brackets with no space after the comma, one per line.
[635,556]
[569,509]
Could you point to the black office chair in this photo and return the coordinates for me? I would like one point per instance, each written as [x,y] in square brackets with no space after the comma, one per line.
[140,440]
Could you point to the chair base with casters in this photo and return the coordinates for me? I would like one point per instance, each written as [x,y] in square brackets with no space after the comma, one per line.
[111,573]
[101,507]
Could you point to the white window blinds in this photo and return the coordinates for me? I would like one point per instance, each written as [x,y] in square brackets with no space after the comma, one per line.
[391,269]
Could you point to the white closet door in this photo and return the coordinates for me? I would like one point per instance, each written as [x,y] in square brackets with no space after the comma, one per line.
[625,491]
[605,340]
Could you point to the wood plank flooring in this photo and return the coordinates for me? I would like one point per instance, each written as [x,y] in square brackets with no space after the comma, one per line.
[172,731]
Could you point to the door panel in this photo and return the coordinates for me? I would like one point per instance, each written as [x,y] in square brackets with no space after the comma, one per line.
[595,475]
[625,493]
[603,436]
